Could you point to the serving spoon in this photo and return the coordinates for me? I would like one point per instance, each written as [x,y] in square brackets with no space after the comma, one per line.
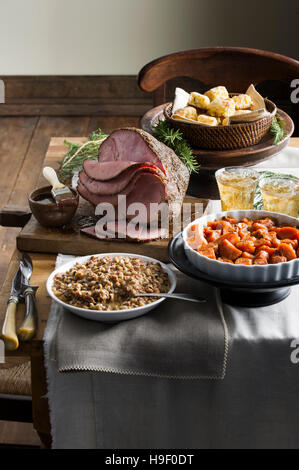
[189,297]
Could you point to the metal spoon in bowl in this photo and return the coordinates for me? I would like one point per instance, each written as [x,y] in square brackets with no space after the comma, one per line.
[189,297]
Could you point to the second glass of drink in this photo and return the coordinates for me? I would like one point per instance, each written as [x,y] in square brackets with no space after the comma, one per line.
[237,187]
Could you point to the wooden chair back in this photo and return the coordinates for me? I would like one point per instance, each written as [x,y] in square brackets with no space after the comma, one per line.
[234,67]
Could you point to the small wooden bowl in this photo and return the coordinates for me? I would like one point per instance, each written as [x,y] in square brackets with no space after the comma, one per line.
[49,214]
[234,136]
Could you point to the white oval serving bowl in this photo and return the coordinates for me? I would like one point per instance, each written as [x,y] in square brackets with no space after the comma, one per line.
[111,315]
[233,272]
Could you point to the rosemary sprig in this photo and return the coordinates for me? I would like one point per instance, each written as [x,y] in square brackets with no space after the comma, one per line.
[176,141]
[276,130]
[77,153]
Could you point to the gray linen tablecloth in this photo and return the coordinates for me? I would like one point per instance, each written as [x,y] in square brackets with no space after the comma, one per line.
[255,406]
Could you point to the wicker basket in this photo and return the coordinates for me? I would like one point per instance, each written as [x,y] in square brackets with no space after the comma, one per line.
[234,136]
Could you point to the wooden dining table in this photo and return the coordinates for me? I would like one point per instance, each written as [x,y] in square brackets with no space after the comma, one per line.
[43,264]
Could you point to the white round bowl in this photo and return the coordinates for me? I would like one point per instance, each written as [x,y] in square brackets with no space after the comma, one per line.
[238,272]
[113,315]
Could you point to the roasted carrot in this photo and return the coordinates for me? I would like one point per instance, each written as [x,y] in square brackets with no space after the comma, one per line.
[226,226]
[214,245]
[258,226]
[232,237]
[261,233]
[225,260]
[263,254]
[287,250]
[293,243]
[228,250]
[291,233]
[262,241]
[244,234]
[266,248]
[230,220]
[213,235]
[242,226]
[266,222]
[276,258]
[247,255]
[245,261]
[260,261]
[208,252]
[274,240]
[247,221]
[213,225]
[246,245]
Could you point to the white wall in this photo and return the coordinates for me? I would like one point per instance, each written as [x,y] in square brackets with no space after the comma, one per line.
[60,37]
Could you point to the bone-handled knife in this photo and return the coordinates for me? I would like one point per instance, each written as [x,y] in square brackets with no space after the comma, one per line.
[29,326]
[9,334]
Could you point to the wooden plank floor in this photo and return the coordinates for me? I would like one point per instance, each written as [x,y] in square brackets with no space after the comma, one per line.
[23,144]
[18,434]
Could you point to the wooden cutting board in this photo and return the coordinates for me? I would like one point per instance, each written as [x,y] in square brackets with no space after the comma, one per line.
[69,240]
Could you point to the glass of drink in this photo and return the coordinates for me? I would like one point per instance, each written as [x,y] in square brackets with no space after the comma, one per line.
[280,195]
[237,186]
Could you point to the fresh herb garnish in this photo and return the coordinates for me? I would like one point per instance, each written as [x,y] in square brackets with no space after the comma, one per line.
[176,141]
[276,130]
[77,153]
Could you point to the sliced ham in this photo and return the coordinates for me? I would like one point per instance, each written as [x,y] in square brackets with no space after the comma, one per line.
[105,171]
[120,184]
[145,188]
[124,231]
